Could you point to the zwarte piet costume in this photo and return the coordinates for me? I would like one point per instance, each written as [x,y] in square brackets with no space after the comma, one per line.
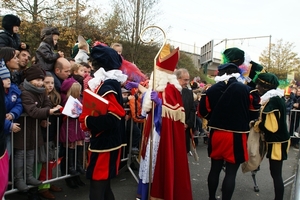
[108,130]
[272,122]
[229,106]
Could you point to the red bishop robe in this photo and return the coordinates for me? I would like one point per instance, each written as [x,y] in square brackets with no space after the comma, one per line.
[171,180]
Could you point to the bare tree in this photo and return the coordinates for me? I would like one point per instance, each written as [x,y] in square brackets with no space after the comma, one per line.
[134,16]
[282,59]
[33,10]
[71,17]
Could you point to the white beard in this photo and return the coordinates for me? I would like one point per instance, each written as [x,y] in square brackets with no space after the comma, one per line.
[161,80]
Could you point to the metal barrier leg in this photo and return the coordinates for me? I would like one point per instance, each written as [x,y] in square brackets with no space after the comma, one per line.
[130,158]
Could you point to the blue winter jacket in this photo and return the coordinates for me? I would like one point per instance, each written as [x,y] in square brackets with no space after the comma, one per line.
[13,104]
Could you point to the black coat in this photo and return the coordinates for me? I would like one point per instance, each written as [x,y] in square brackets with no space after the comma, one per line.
[9,40]
[190,113]
[37,107]
[189,107]
[112,125]
[231,106]
[45,55]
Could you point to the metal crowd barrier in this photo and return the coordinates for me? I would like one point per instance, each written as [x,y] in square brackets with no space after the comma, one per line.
[56,172]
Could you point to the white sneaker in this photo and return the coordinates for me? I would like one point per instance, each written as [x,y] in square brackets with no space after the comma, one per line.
[296,134]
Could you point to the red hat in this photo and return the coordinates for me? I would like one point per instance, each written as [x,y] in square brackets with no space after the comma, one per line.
[167,61]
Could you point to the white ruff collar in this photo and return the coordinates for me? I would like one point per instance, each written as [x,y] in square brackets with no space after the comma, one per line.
[269,94]
[102,75]
[226,77]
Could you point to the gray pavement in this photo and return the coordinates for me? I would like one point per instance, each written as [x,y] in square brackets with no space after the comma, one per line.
[124,186]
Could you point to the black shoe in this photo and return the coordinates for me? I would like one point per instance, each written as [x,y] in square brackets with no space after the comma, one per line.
[33,194]
[73,172]
[70,183]
[133,167]
[78,181]
[80,170]
[71,162]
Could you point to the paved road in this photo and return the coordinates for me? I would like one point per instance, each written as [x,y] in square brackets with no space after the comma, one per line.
[124,186]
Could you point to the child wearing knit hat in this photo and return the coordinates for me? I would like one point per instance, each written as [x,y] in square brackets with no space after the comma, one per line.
[13,105]
[38,107]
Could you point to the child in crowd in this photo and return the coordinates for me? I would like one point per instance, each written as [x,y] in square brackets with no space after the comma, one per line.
[55,100]
[13,105]
[132,130]
[82,55]
[71,135]
[38,107]
[131,70]
[78,73]
[118,47]
[87,69]
[10,37]
[45,54]
[88,74]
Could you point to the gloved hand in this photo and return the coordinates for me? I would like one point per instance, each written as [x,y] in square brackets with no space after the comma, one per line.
[131,85]
[155,98]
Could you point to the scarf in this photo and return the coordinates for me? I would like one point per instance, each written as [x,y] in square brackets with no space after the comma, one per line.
[28,86]
[101,75]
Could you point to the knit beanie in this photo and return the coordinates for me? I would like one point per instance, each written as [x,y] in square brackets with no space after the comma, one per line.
[4,72]
[65,86]
[9,21]
[34,72]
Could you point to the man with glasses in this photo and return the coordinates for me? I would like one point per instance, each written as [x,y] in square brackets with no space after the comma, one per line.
[183,78]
